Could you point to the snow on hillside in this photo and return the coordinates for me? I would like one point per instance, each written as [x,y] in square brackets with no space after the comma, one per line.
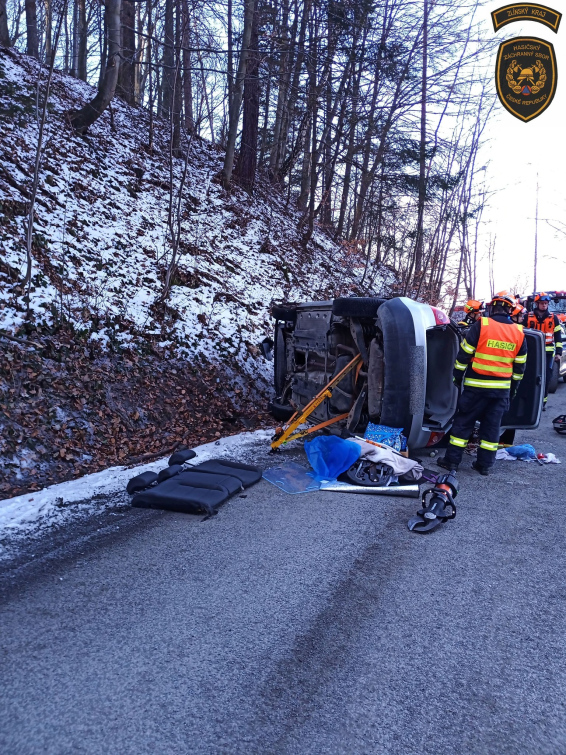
[100,241]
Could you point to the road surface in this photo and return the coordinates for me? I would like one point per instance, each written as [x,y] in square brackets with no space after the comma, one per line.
[298,624]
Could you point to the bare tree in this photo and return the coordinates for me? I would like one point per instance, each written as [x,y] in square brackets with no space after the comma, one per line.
[38,156]
[94,109]
[126,76]
[237,92]
[32,47]
[4,33]
[247,160]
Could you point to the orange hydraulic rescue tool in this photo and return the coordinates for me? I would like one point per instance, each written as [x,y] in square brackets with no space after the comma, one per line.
[287,432]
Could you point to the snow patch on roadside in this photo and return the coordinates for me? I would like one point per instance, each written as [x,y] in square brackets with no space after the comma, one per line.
[49,507]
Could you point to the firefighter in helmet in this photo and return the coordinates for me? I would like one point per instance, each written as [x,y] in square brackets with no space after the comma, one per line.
[541,319]
[473,310]
[519,313]
[491,363]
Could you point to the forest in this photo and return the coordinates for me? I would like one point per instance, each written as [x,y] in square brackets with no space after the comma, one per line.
[366,116]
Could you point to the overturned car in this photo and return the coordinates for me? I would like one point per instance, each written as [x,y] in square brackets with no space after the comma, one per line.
[403,374]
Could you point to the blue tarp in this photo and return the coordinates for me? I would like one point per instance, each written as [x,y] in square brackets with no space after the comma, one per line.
[329,456]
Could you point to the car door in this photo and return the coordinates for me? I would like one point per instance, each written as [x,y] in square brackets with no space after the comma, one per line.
[525,410]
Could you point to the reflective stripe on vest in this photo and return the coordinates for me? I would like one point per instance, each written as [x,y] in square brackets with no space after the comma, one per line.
[546,327]
[498,345]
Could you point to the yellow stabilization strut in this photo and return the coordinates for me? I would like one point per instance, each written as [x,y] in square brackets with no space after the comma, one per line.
[287,432]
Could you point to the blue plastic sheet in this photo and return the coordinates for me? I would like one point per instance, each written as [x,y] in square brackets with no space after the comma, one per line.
[292,478]
[329,456]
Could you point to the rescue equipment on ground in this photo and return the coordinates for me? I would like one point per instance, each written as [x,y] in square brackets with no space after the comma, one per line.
[371,474]
[437,505]
[289,431]
[405,491]
[559,423]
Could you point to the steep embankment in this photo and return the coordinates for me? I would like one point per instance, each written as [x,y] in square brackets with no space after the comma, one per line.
[102,371]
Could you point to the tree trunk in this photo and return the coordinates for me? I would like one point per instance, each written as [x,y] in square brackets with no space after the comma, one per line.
[103,51]
[422,153]
[230,56]
[82,40]
[177,84]
[4,34]
[126,76]
[249,9]
[306,168]
[247,161]
[187,73]
[94,109]
[74,35]
[275,157]
[32,47]
[48,29]
[168,75]
[290,97]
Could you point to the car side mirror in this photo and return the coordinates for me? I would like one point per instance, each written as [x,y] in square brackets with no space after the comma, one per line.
[266,348]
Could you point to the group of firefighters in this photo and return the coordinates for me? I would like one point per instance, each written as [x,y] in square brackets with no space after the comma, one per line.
[490,363]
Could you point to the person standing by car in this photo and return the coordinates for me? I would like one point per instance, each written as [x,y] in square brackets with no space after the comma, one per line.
[473,310]
[519,313]
[491,363]
[549,324]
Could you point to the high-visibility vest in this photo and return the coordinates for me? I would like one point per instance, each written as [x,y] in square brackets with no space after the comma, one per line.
[546,326]
[498,345]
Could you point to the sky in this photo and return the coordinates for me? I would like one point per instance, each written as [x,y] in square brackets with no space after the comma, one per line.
[515,154]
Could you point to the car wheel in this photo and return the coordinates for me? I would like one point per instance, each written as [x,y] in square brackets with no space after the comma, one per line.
[279,361]
[356,306]
[553,382]
[287,314]
[280,412]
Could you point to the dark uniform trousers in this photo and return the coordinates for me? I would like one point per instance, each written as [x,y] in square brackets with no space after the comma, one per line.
[549,368]
[474,406]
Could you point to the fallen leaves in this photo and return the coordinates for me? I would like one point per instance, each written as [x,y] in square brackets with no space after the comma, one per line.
[115,409]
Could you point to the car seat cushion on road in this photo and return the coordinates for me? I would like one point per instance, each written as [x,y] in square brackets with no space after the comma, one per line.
[247,474]
[200,489]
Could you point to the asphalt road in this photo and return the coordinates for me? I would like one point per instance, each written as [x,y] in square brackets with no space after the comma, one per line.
[299,624]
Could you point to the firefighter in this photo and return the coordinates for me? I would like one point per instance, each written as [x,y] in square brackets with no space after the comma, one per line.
[473,310]
[541,319]
[491,362]
[519,313]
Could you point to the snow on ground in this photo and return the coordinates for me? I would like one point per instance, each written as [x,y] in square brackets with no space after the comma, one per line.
[51,506]
[100,242]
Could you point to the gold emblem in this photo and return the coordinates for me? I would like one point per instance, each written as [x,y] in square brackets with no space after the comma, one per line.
[526,76]
[529,80]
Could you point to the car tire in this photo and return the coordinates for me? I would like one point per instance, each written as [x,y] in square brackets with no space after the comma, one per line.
[553,382]
[287,314]
[356,306]
[279,360]
[280,412]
